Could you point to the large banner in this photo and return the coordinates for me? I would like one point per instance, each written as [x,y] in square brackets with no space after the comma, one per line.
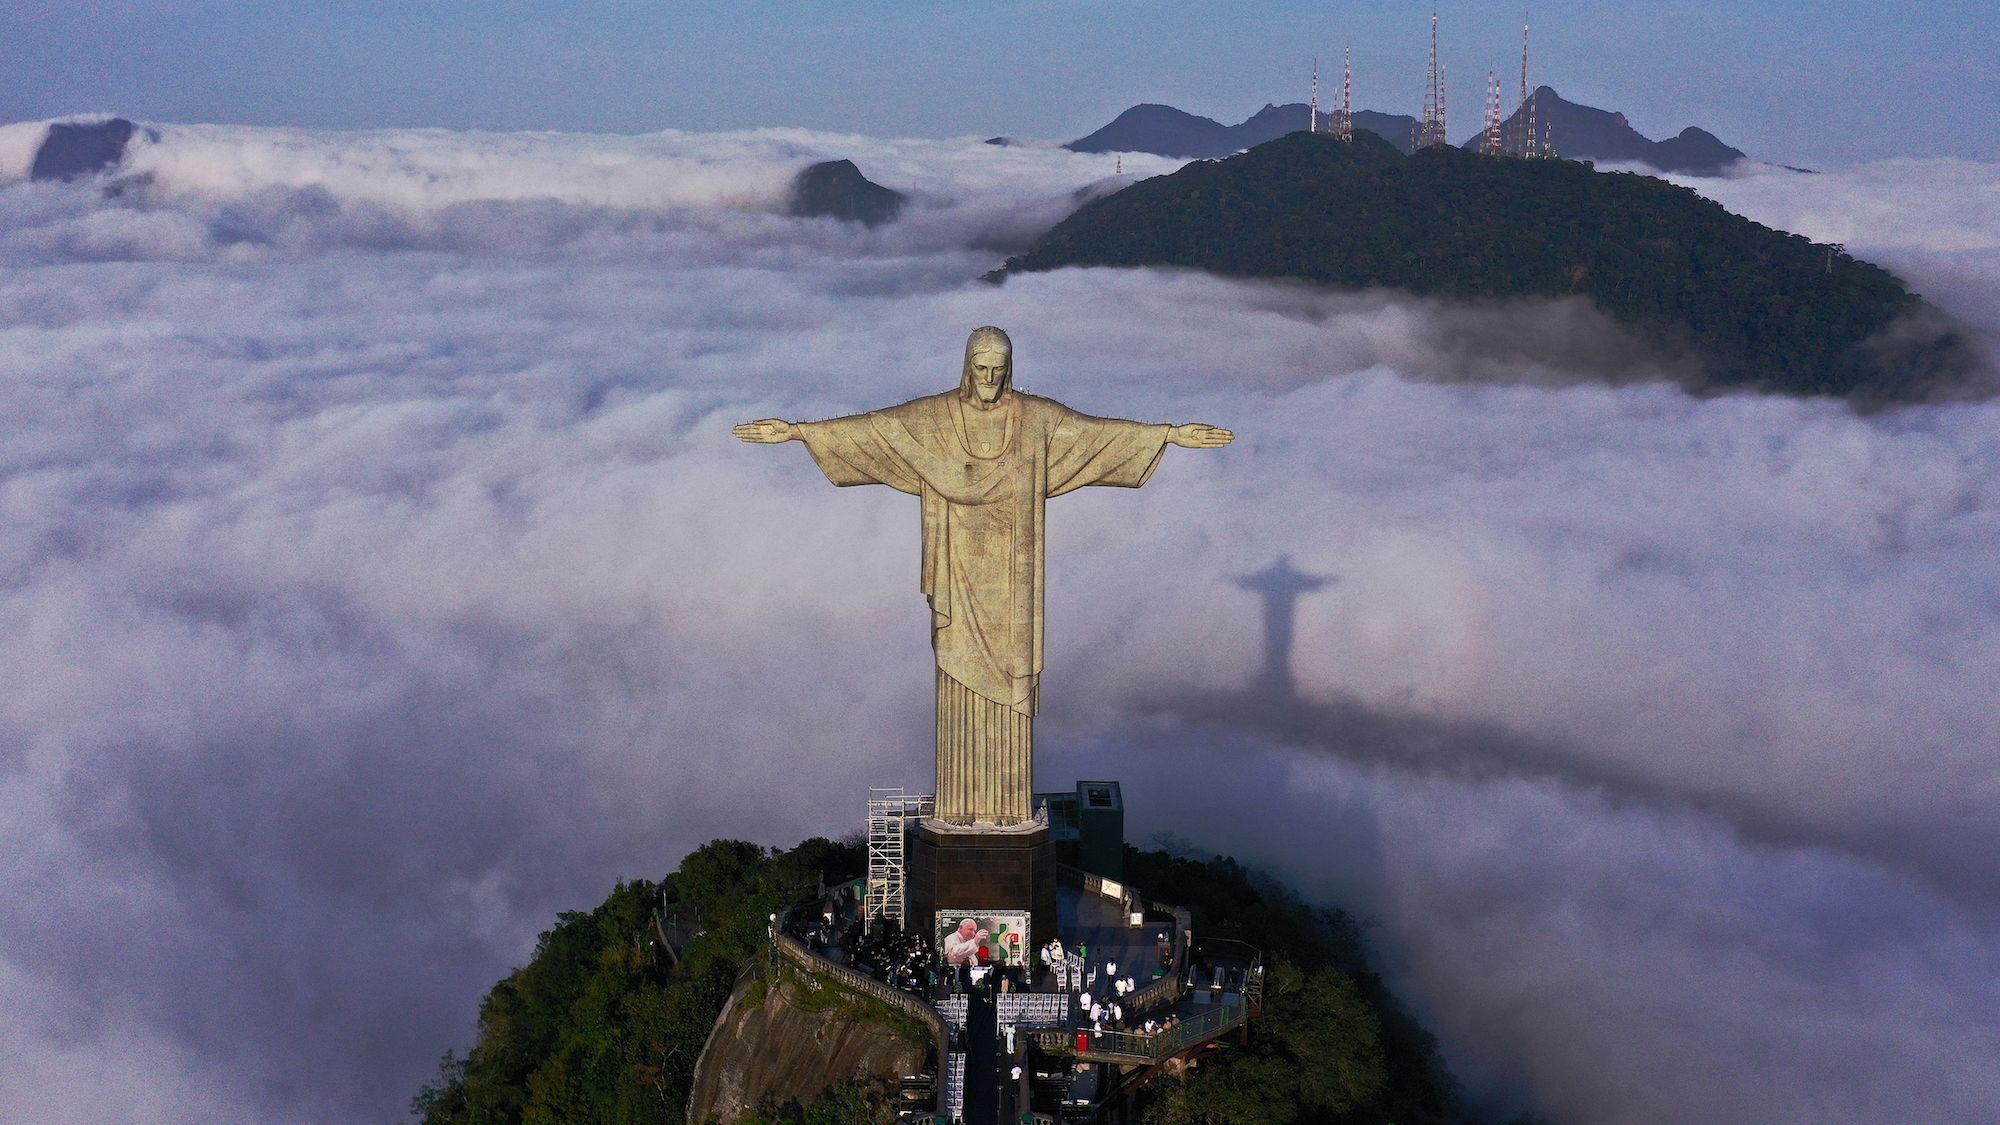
[1003,934]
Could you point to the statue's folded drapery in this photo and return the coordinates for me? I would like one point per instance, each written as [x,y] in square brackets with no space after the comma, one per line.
[983,559]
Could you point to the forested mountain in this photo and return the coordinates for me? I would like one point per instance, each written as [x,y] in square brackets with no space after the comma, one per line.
[1761,308]
[601,1026]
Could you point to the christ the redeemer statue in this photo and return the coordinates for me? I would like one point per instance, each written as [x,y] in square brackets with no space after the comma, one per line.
[985,458]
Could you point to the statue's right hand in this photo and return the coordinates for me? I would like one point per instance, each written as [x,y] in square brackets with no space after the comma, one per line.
[767,431]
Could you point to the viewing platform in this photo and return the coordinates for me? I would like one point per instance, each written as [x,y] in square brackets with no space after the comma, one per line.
[1184,993]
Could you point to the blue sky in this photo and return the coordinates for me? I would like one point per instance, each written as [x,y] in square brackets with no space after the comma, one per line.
[1786,81]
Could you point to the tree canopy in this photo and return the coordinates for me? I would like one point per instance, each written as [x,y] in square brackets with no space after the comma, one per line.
[1333,1044]
[598,1027]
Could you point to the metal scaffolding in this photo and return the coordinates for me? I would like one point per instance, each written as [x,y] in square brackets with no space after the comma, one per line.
[888,812]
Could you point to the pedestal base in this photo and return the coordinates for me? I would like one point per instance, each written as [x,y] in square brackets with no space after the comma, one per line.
[969,870]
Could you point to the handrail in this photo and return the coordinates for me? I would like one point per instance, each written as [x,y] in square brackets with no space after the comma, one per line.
[793,950]
[1159,1045]
[1164,1044]
[1166,990]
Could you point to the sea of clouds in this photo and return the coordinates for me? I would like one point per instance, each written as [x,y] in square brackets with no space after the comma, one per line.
[378,577]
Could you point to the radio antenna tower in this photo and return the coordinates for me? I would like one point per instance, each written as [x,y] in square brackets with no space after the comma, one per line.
[1492,114]
[1534,138]
[1313,126]
[1343,121]
[1430,128]
[1525,143]
[1524,60]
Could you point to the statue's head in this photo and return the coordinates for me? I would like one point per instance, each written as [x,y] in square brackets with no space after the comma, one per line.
[989,366]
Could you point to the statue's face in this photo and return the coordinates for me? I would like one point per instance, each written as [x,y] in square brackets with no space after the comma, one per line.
[989,374]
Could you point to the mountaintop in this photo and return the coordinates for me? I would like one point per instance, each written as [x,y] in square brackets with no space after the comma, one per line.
[837,189]
[1584,132]
[1759,308]
[75,149]
[1165,131]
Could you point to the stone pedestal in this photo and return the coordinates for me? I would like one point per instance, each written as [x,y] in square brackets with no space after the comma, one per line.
[971,869]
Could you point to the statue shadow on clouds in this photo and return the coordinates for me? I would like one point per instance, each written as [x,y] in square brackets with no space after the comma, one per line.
[1381,737]
[1279,586]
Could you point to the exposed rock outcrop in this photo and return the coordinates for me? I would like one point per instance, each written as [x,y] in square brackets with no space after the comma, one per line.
[790,1040]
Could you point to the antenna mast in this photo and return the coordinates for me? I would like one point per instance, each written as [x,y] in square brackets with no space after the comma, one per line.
[1343,122]
[1430,128]
[1313,126]
[1492,114]
[1525,143]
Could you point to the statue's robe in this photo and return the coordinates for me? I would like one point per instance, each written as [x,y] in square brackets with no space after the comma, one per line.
[983,562]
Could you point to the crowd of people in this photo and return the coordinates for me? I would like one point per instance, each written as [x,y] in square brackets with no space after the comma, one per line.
[905,959]
[891,955]
[898,957]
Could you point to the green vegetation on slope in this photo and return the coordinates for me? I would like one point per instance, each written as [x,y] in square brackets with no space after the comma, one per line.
[596,1028]
[1763,309]
[1333,1045]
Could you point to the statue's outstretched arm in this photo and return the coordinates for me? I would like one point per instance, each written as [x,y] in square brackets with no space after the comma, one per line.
[767,431]
[1196,435]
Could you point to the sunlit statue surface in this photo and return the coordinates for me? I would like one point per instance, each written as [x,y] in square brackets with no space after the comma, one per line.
[985,458]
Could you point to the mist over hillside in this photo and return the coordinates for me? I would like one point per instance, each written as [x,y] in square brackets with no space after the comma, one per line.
[381,578]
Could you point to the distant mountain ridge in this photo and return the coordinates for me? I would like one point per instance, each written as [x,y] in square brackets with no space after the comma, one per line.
[1584,132]
[1577,131]
[1165,131]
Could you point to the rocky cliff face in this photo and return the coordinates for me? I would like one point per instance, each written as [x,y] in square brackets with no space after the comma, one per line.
[792,1039]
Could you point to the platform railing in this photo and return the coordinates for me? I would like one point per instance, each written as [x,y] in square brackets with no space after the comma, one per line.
[1142,1047]
[794,951]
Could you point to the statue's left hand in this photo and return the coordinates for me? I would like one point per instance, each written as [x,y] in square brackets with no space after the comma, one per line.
[1196,435]
[767,431]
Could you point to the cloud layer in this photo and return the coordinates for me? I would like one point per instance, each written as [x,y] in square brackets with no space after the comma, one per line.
[380,578]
